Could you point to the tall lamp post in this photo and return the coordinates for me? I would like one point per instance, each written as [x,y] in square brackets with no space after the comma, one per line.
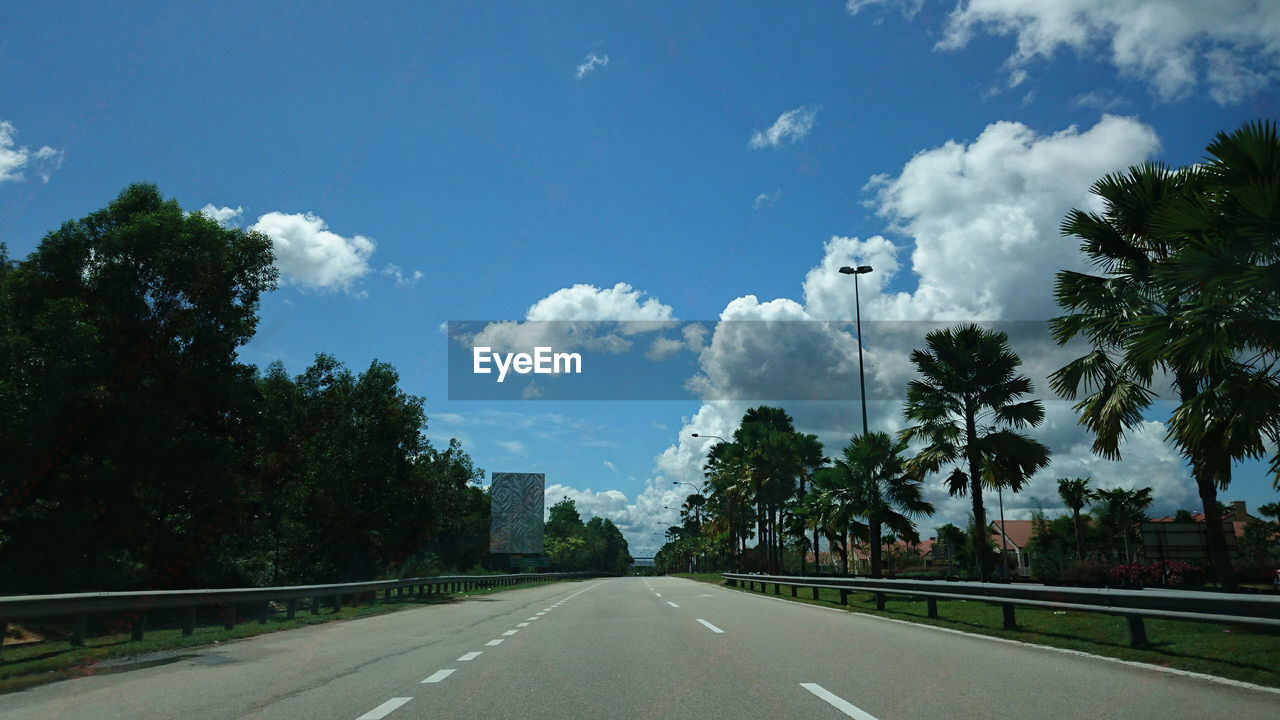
[862,384]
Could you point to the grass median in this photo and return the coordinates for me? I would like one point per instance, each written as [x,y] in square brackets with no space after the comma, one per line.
[1229,651]
[26,664]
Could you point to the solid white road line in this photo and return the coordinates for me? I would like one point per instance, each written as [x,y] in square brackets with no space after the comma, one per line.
[672,604]
[384,709]
[439,675]
[491,643]
[509,633]
[837,702]
[711,627]
[470,656]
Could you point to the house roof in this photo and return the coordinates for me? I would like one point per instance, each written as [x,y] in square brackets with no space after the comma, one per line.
[1235,513]
[1018,532]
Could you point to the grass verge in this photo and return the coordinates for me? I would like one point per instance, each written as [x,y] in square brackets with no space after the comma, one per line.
[1228,651]
[26,665]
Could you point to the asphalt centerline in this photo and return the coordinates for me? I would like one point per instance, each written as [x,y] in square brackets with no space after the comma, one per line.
[439,675]
[837,702]
[470,656]
[384,709]
[711,627]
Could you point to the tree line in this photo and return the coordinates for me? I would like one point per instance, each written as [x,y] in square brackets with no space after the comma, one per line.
[138,451]
[1185,289]
[574,546]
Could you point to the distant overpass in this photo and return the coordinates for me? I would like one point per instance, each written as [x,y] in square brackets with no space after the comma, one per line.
[642,562]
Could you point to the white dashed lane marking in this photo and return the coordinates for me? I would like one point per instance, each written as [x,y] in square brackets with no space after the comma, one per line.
[510,632]
[384,709]
[491,643]
[470,656]
[672,604]
[837,702]
[711,627]
[439,675]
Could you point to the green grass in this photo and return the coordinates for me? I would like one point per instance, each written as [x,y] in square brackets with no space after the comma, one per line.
[29,664]
[1229,651]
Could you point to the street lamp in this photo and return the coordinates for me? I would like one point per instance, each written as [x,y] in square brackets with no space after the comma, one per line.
[714,436]
[862,385]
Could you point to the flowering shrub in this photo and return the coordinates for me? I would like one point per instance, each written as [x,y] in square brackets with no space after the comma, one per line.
[1169,572]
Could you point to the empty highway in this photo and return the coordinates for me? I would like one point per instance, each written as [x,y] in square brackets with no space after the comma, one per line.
[642,648]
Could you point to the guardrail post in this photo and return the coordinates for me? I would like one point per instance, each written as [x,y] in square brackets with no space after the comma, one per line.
[189,622]
[794,588]
[844,597]
[337,603]
[1137,631]
[230,620]
[815,593]
[386,595]
[932,604]
[291,608]
[879,601]
[1010,623]
[139,626]
[315,605]
[78,631]
[777,588]
[264,609]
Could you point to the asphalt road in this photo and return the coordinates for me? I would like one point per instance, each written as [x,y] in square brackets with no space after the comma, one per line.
[635,648]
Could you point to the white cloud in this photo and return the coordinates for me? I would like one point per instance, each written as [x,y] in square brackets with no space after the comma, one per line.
[402,279]
[581,316]
[592,62]
[611,466]
[309,255]
[984,216]
[663,348]
[791,125]
[1173,45]
[767,199]
[224,216]
[15,160]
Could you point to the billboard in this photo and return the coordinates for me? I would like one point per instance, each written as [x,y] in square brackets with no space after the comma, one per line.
[515,509]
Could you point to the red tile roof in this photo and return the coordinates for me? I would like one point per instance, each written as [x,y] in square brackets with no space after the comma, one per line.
[1018,532]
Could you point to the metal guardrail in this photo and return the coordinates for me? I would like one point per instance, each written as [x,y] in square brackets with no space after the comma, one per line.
[1134,605]
[137,604]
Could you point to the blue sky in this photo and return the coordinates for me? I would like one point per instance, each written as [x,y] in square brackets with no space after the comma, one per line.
[659,161]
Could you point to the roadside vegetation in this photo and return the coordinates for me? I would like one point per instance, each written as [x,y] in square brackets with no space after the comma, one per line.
[1228,651]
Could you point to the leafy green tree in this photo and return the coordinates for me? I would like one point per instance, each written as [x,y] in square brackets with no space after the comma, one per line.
[967,405]
[1122,513]
[875,486]
[1075,493]
[128,419]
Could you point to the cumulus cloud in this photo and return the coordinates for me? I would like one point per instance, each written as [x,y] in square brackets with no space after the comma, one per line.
[791,125]
[582,316]
[592,62]
[908,7]
[224,216]
[15,160]
[1173,45]
[310,255]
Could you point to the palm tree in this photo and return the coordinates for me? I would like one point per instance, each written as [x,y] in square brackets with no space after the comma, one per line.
[876,487]
[967,406]
[1187,287]
[835,510]
[1075,493]
[1127,508]
[773,461]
